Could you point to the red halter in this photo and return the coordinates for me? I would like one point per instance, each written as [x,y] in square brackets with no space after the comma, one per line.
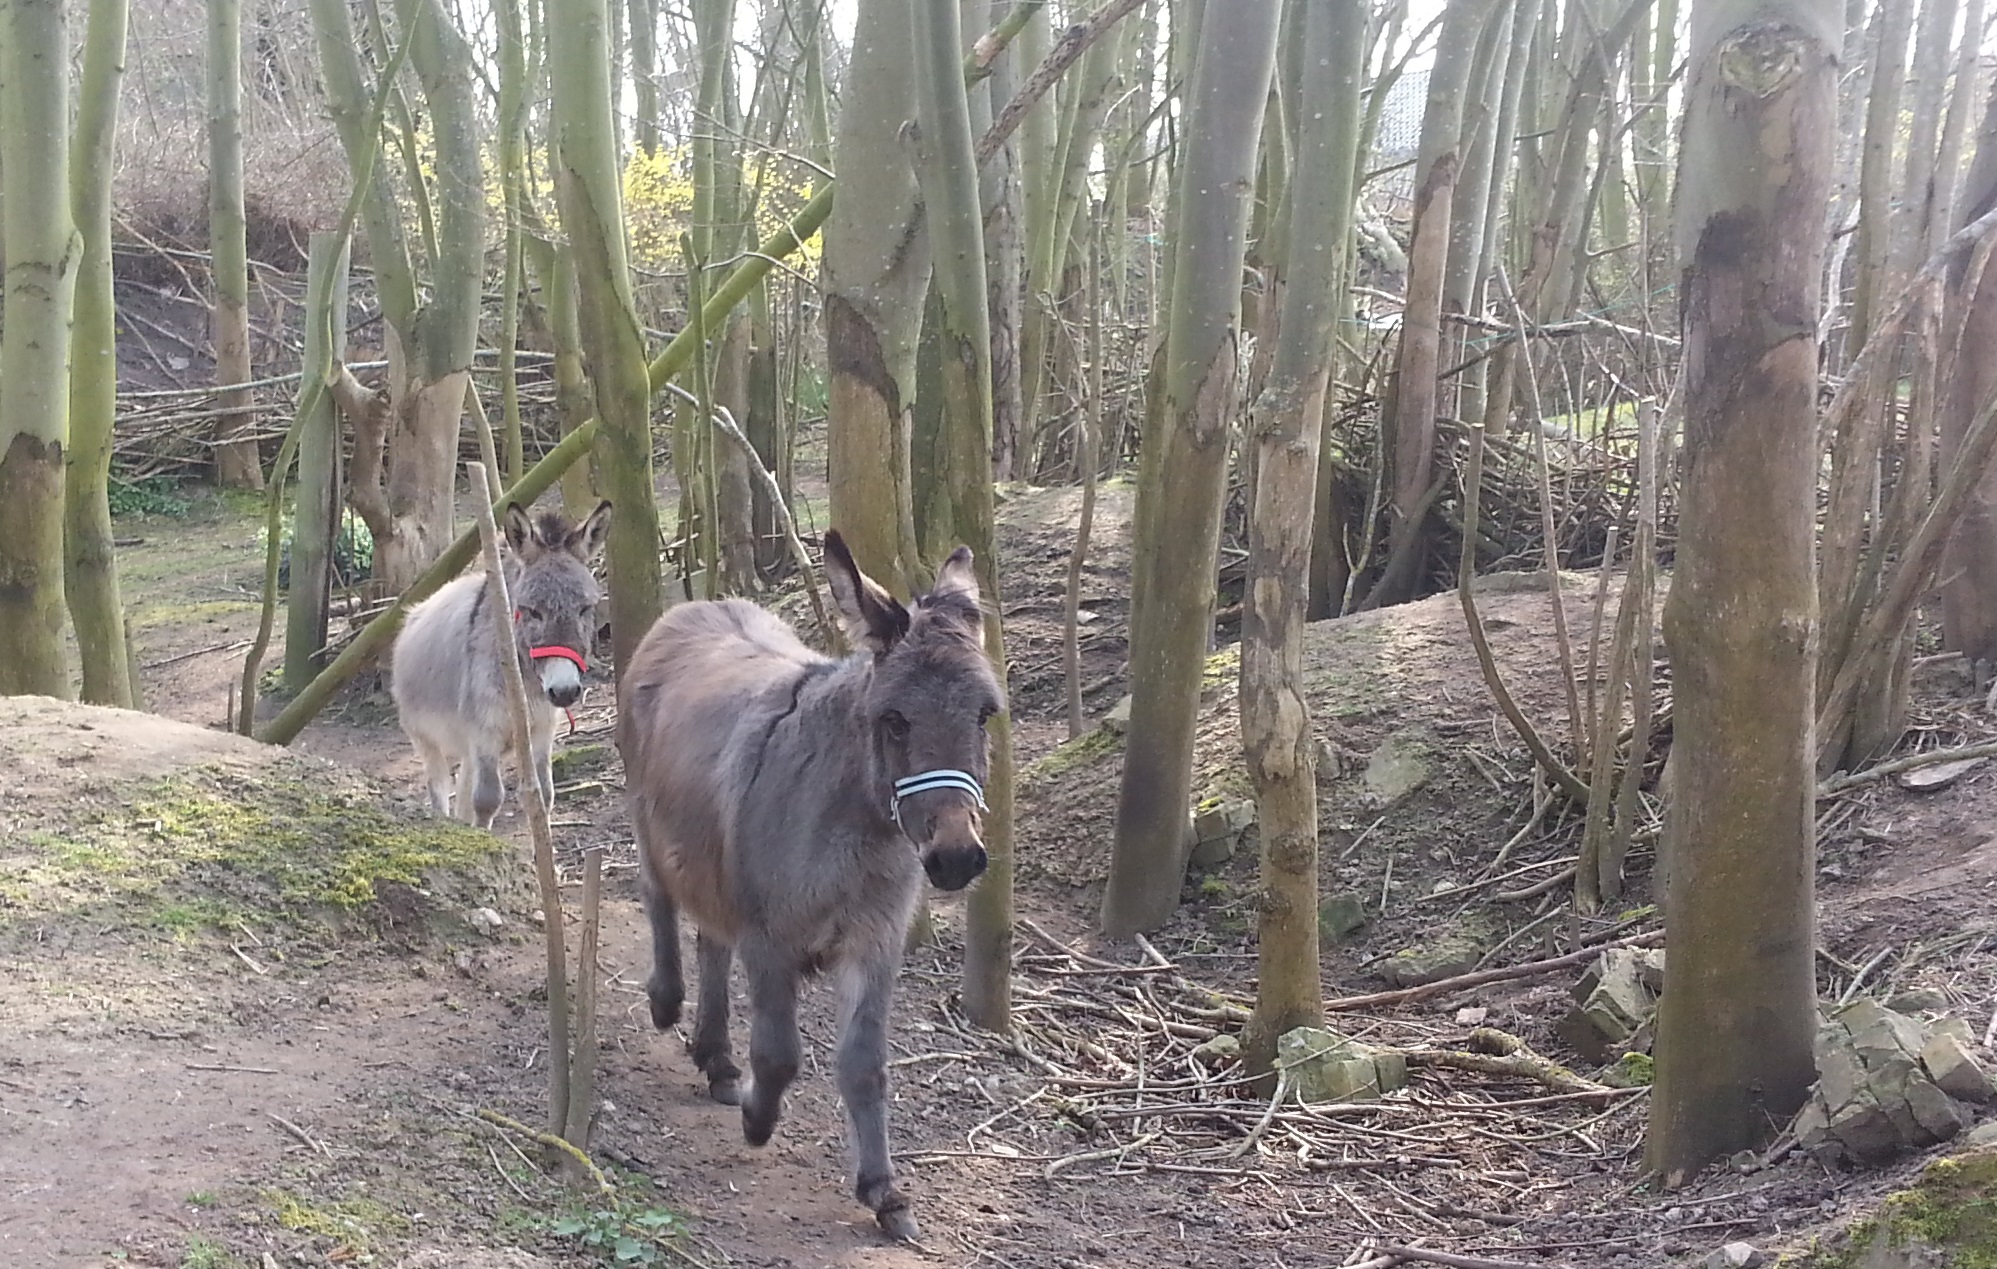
[566,654]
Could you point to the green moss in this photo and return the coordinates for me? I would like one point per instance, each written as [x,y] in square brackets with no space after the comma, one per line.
[577,759]
[1633,1070]
[210,847]
[1083,751]
[1951,1208]
[1222,670]
[356,1224]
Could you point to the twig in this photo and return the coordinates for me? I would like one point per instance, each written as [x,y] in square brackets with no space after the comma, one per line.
[1056,1166]
[240,1070]
[311,1143]
[551,1141]
[1456,1261]
[1961,753]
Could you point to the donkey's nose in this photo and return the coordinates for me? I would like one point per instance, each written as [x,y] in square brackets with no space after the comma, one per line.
[954,867]
[561,681]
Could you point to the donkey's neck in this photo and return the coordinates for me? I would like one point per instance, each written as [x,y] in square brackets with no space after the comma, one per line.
[831,719]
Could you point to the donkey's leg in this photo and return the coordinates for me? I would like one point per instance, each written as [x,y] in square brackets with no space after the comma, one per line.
[437,773]
[710,1048]
[488,788]
[774,1050]
[467,780]
[666,988]
[866,992]
[541,752]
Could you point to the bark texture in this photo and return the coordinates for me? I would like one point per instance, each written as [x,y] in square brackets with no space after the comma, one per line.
[1735,1024]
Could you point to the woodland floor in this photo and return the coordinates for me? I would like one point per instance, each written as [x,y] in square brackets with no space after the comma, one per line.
[194,1097]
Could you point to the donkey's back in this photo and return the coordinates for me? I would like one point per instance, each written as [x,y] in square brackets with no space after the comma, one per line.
[706,687]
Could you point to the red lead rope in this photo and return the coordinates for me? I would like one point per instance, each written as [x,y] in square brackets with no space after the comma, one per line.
[566,654]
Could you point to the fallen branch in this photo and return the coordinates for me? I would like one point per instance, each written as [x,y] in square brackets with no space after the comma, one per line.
[1841,783]
[551,1141]
[1454,1260]
[1529,969]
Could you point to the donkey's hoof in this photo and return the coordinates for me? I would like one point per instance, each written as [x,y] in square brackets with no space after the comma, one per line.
[758,1121]
[898,1223]
[665,1006]
[726,1089]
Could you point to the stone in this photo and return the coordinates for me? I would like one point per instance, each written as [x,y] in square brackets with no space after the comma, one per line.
[1117,721]
[1616,1002]
[1399,767]
[1222,1050]
[1736,1256]
[1938,1115]
[1938,775]
[1212,852]
[1879,1034]
[1324,1066]
[1918,1000]
[1447,957]
[1339,917]
[1813,1131]
[1218,830]
[1865,1131]
[1948,1064]
[485,920]
[1982,1137]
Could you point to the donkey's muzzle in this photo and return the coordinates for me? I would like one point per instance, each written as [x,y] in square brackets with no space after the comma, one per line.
[956,866]
[560,679]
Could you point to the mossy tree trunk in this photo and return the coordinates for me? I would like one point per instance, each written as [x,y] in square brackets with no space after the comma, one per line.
[1870,289]
[90,565]
[236,463]
[316,514]
[876,271]
[1738,1013]
[954,216]
[42,251]
[589,192]
[1177,528]
[1286,425]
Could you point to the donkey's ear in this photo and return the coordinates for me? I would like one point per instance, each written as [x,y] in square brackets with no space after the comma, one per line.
[957,579]
[586,539]
[517,527]
[874,619]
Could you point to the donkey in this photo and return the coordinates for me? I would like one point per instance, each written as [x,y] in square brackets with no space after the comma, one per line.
[449,690]
[790,804]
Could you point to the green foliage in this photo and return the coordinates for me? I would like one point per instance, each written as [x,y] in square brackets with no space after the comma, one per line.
[202,1254]
[148,496]
[353,551]
[629,1226]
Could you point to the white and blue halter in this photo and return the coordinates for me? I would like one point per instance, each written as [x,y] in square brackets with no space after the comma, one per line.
[926,781]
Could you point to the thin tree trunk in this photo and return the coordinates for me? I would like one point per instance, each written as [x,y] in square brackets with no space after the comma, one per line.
[316,510]
[876,273]
[1875,173]
[1178,531]
[42,261]
[1343,114]
[1412,420]
[952,209]
[644,37]
[1738,1014]
[587,188]
[90,566]
[236,462]
[1004,254]
[1969,569]
[1287,423]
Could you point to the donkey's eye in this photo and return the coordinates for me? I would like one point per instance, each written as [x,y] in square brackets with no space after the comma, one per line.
[895,725]
[986,713]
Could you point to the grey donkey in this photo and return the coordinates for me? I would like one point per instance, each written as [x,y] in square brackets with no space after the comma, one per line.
[790,804]
[449,690]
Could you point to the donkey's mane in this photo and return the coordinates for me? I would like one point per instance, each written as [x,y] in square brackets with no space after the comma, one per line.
[551,526]
[956,607]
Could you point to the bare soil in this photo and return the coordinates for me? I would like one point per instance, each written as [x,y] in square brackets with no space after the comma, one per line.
[275,1092]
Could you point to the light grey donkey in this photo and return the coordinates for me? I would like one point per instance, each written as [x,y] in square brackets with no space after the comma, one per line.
[448,687]
[790,804]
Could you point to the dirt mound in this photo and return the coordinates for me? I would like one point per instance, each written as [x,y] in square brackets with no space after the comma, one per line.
[126,822]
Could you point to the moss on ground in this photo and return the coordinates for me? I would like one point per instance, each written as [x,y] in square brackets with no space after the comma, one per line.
[1084,750]
[209,847]
[1951,1210]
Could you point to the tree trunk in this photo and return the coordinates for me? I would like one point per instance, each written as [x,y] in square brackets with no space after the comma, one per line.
[1287,423]
[1969,569]
[1178,529]
[316,517]
[1344,111]
[90,566]
[644,36]
[949,177]
[876,273]
[1411,423]
[236,462]
[42,249]
[1738,1013]
[1004,253]
[1870,288]
[588,191]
